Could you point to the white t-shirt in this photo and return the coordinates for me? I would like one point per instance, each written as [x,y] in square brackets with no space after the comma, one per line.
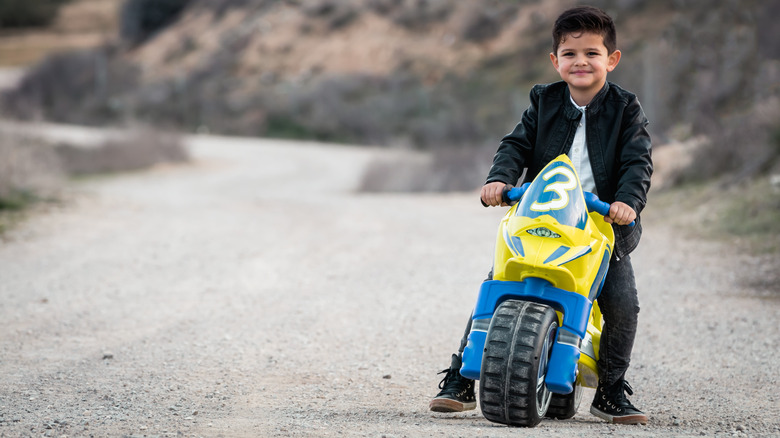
[578,154]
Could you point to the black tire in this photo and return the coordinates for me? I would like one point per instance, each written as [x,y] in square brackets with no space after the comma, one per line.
[514,364]
[565,406]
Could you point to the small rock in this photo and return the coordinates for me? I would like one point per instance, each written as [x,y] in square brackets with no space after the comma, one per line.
[108,355]
[387,376]
[740,427]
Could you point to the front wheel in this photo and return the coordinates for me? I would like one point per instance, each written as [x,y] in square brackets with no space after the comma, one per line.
[514,365]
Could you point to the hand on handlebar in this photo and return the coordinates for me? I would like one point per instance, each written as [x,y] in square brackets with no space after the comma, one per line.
[491,194]
[620,213]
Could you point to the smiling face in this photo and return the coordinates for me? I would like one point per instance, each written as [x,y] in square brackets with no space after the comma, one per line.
[583,62]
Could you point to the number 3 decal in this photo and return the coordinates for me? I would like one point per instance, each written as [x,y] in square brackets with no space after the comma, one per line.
[560,188]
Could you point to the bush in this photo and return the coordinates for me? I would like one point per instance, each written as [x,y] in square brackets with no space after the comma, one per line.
[418,14]
[28,13]
[140,19]
[745,145]
[337,13]
[77,87]
[482,21]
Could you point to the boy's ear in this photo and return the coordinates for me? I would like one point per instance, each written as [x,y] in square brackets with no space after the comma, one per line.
[613,60]
[554,60]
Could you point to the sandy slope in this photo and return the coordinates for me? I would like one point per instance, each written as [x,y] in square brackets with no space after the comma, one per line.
[253,293]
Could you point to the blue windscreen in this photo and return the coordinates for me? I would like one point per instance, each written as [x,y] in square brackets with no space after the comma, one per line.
[556,191]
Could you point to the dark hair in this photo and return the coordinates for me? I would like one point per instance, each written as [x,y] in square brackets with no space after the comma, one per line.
[585,19]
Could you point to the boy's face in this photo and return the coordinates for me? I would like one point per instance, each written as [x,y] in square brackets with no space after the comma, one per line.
[583,62]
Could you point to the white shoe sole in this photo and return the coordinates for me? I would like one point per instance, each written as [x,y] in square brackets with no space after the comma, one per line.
[449,405]
[623,419]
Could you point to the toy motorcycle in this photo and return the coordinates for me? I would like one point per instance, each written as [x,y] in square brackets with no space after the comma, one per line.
[536,327]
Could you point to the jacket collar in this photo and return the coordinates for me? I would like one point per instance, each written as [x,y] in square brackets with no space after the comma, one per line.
[592,108]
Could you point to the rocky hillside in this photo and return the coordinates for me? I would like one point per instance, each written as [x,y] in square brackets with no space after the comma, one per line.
[421,73]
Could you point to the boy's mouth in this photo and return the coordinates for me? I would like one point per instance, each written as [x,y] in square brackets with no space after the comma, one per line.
[580,72]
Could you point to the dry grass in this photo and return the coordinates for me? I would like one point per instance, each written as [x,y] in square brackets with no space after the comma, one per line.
[32,170]
[29,172]
[140,149]
[28,168]
[746,217]
[444,170]
[746,214]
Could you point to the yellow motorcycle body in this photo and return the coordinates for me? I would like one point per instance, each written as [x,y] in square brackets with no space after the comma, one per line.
[552,254]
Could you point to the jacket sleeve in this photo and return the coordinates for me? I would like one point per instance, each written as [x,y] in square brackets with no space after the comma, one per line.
[635,158]
[515,151]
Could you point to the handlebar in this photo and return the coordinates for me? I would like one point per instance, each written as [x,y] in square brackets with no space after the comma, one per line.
[595,204]
[510,195]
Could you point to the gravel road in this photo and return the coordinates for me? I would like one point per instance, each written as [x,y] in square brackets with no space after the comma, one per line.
[254,293]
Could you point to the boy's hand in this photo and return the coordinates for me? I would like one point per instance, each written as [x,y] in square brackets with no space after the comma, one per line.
[491,193]
[620,213]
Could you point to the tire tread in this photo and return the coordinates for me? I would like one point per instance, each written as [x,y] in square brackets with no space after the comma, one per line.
[507,389]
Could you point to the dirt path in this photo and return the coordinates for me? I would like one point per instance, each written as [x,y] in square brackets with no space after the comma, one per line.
[255,294]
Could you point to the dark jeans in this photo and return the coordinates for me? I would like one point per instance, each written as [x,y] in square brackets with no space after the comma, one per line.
[620,306]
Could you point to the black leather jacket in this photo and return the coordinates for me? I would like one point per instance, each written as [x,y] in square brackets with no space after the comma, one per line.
[618,146]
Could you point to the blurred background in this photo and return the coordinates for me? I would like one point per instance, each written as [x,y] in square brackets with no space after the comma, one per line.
[446,78]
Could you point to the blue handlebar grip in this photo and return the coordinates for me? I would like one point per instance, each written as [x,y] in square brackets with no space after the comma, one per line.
[514,194]
[511,194]
[595,204]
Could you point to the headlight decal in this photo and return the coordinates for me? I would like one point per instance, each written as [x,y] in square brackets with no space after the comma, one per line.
[543,232]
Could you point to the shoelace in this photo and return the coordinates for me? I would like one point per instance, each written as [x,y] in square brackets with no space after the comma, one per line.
[628,388]
[450,376]
[621,395]
[446,378]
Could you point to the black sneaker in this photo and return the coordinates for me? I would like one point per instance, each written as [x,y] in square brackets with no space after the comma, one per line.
[457,392]
[612,405]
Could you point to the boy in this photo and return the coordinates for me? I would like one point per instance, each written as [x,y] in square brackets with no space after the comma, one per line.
[603,130]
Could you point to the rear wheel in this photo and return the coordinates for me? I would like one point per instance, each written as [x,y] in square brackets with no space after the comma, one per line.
[514,364]
[565,406]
